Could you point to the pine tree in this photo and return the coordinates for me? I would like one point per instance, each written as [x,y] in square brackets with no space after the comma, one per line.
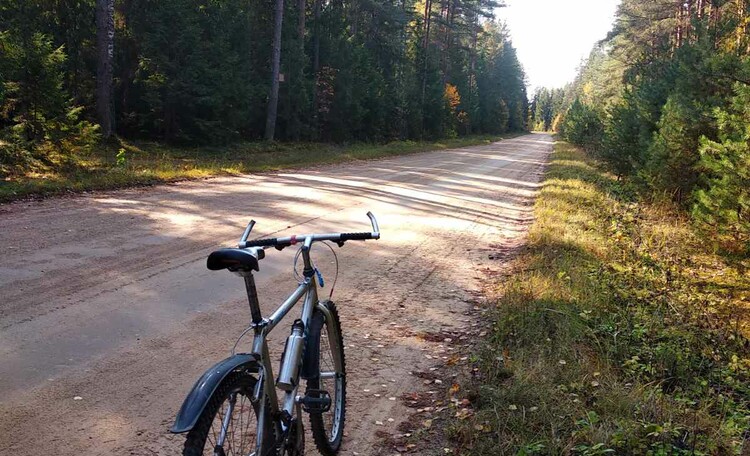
[724,205]
[626,138]
[670,167]
[583,126]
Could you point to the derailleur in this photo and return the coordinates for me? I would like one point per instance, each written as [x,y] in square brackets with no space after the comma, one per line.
[293,439]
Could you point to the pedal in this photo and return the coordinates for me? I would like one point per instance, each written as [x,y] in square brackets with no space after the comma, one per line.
[316,401]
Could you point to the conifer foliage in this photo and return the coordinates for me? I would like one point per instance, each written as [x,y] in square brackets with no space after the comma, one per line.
[39,124]
[663,100]
[724,201]
[191,72]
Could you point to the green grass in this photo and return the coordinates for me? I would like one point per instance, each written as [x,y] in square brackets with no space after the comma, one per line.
[619,331]
[151,163]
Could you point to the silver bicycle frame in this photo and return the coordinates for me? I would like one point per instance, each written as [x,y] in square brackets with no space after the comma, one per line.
[266,385]
[266,381]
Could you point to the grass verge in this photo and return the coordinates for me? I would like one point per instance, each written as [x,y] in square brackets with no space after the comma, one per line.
[128,164]
[618,332]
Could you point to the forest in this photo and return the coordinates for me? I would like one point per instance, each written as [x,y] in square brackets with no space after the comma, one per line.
[624,326]
[664,100]
[77,73]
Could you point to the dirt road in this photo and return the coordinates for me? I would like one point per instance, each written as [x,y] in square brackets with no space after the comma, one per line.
[108,314]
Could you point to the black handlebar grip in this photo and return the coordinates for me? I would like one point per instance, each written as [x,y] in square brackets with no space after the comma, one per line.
[355,236]
[261,242]
[282,245]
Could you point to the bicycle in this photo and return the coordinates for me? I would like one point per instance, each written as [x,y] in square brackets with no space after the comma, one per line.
[239,393]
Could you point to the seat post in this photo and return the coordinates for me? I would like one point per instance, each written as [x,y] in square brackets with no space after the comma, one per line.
[252,298]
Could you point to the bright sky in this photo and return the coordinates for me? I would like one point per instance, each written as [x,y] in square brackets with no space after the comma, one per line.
[552,36]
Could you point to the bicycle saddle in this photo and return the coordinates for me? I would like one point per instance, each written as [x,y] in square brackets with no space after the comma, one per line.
[235,259]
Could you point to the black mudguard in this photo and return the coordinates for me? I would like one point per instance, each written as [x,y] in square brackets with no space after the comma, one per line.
[199,396]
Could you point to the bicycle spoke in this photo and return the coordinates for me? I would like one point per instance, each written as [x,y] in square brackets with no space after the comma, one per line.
[240,434]
[328,379]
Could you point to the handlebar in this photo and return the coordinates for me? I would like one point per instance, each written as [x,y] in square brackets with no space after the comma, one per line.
[283,242]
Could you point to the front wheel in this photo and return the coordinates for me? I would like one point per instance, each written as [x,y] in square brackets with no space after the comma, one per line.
[228,425]
[326,348]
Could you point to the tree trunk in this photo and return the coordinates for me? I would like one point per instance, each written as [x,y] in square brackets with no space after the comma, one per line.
[740,20]
[426,45]
[473,58]
[678,29]
[450,14]
[316,64]
[105,38]
[301,10]
[273,97]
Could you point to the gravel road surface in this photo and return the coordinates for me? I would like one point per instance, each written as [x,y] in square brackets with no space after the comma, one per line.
[108,313]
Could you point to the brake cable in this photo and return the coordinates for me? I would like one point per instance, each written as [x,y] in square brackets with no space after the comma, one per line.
[300,279]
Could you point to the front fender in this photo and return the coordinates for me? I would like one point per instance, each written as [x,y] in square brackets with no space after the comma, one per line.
[199,396]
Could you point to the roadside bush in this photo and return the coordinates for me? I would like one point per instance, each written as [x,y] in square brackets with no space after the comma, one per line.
[583,127]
